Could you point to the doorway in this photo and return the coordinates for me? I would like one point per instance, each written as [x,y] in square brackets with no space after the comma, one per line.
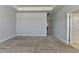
[74,29]
[49,24]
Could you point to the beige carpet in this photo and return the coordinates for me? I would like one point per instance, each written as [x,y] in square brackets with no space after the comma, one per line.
[35,45]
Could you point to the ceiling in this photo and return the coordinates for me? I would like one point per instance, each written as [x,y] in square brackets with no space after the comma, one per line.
[34,7]
[38,8]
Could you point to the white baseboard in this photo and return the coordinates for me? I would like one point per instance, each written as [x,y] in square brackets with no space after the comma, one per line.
[28,35]
[7,38]
[61,39]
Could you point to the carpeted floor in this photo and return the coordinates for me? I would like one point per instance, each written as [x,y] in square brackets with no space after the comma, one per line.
[35,45]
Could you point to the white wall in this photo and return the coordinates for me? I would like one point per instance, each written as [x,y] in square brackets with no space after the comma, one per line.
[60,21]
[31,24]
[7,22]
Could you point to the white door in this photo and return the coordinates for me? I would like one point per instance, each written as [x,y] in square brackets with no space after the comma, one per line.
[74,29]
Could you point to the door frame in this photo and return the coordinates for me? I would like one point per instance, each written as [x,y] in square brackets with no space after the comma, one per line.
[70,15]
[69,28]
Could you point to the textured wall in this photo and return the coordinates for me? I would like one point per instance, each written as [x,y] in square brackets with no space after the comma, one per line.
[60,21]
[31,24]
[7,22]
